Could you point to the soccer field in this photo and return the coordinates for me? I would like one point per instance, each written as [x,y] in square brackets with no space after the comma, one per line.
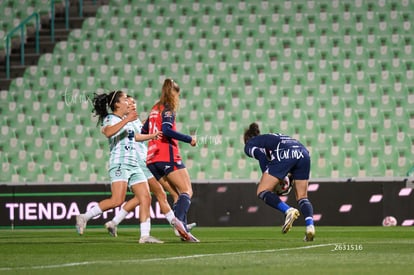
[223,250]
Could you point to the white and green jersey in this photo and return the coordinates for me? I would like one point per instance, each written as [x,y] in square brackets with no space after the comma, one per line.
[122,144]
[141,146]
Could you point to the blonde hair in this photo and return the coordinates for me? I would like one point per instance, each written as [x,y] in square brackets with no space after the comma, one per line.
[167,95]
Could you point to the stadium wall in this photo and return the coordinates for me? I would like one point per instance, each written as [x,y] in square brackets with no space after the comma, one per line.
[339,203]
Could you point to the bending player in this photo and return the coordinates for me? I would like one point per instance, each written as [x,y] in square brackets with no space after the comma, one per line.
[279,155]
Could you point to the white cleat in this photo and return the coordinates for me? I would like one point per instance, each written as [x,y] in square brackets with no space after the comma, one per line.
[180,229]
[149,239]
[310,233]
[112,228]
[189,227]
[291,215]
[192,239]
[81,224]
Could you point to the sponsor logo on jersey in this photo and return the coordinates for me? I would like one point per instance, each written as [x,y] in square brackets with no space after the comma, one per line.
[168,114]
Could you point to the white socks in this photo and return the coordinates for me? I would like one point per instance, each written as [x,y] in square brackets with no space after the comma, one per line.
[145,228]
[93,212]
[120,216]
[170,216]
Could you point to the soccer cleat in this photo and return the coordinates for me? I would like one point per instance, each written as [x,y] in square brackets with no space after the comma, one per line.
[291,215]
[192,239]
[112,228]
[189,227]
[310,233]
[149,239]
[80,224]
[179,227]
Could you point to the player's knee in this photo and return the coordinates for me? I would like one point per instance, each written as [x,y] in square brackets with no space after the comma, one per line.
[117,202]
[188,193]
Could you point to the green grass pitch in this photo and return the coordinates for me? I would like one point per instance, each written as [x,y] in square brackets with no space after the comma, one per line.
[223,250]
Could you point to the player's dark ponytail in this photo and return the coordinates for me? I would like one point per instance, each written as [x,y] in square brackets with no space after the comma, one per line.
[251,132]
[100,103]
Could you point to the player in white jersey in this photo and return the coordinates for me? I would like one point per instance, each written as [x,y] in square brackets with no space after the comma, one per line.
[155,186]
[124,169]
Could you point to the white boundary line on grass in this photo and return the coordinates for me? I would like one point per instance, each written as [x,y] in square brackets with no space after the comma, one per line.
[164,259]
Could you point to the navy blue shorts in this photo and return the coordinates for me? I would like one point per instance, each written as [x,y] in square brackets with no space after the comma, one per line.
[297,162]
[161,169]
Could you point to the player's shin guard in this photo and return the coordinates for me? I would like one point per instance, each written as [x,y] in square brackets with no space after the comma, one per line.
[306,209]
[273,201]
[182,206]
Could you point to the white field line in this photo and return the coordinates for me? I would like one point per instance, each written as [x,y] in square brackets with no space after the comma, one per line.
[163,259]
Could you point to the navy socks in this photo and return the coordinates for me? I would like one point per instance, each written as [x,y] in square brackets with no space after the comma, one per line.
[306,209]
[273,201]
[181,207]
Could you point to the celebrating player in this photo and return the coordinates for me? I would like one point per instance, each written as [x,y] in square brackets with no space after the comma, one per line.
[124,169]
[279,155]
[163,158]
[154,186]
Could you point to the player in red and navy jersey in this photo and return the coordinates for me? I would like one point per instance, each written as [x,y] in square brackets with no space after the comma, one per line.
[163,157]
[279,155]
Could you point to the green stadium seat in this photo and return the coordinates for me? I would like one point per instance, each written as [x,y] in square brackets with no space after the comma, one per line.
[198,171]
[375,168]
[7,168]
[322,167]
[404,162]
[33,172]
[215,169]
[350,168]
[320,71]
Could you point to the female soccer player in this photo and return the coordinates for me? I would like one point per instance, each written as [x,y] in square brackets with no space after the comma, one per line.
[279,155]
[124,169]
[163,158]
[154,186]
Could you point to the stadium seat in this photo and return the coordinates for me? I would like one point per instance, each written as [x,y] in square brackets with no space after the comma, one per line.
[322,167]
[331,74]
[350,168]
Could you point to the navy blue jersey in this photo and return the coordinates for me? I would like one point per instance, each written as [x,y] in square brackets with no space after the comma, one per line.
[280,153]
